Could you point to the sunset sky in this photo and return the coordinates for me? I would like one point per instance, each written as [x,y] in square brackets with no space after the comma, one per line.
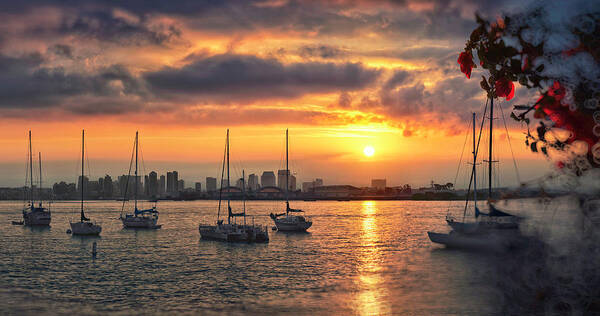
[341,75]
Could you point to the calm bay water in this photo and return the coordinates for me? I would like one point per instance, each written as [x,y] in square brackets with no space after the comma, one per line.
[360,257]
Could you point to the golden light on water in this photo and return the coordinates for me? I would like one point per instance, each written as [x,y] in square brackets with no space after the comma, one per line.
[372,295]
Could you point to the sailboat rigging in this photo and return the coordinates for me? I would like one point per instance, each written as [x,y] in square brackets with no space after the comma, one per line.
[146,218]
[84,226]
[232,232]
[463,232]
[286,221]
[35,216]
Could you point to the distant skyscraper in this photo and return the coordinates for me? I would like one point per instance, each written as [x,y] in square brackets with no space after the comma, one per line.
[152,184]
[85,183]
[253,182]
[162,184]
[146,186]
[378,184]
[267,179]
[240,183]
[180,185]
[211,184]
[172,182]
[107,187]
[198,186]
[292,183]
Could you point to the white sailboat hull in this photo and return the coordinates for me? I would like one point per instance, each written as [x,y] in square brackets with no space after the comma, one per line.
[36,217]
[292,223]
[485,242]
[85,228]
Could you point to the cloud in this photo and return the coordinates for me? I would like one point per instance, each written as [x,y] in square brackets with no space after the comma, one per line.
[26,83]
[321,51]
[246,78]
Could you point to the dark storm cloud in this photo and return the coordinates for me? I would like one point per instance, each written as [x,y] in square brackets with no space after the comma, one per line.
[61,50]
[26,83]
[244,77]
[104,25]
[322,51]
[393,18]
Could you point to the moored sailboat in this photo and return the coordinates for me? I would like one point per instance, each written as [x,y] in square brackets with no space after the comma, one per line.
[232,232]
[35,215]
[84,226]
[289,221]
[145,218]
[487,230]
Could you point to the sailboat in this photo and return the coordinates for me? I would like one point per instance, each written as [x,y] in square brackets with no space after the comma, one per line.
[487,229]
[288,221]
[147,218]
[84,226]
[35,215]
[232,232]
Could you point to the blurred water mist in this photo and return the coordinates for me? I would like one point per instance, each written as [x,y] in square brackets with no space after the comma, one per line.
[556,270]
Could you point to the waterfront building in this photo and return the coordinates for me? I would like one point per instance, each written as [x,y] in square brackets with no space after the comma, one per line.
[267,179]
[253,182]
[211,184]
[378,184]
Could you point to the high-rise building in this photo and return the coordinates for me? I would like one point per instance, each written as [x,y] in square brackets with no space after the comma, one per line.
[378,184]
[240,183]
[172,182]
[281,178]
[84,182]
[152,184]
[162,182]
[253,182]
[198,186]
[211,184]
[180,185]
[107,185]
[146,186]
[127,184]
[292,183]
[267,179]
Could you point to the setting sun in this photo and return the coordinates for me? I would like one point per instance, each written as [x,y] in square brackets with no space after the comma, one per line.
[369,151]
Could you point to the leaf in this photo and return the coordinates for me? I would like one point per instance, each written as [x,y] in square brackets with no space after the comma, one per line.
[514,116]
[484,85]
[544,151]
[540,68]
[533,147]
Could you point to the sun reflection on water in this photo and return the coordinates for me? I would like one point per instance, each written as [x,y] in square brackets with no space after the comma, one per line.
[372,294]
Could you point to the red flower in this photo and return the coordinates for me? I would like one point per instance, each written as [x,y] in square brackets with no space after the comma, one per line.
[465,59]
[560,164]
[505,88]
[557,91]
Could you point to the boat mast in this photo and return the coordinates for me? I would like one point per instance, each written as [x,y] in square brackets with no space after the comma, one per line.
[228,185]
[244,193]
[490,150]
[287,174]
[136,174]
[40,188]
[30,171]
[474,166]
[82,168]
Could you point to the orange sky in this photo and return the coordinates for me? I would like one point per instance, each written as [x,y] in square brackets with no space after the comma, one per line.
[341,75]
